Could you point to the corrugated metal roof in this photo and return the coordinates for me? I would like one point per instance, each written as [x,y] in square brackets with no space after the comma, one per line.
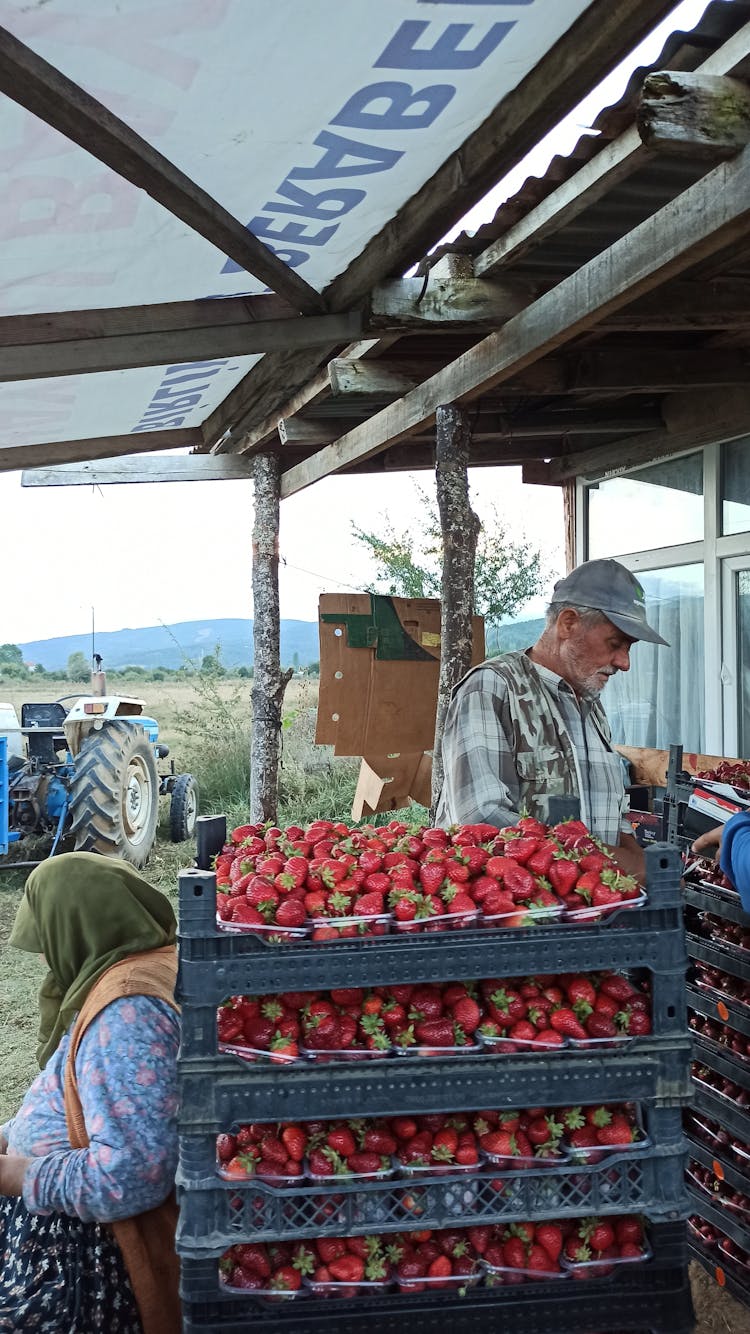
[624,206]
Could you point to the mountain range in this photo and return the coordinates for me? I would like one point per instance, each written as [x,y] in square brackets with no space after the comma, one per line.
[176,645]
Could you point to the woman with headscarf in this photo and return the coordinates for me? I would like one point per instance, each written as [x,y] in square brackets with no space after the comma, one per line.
[87,1165]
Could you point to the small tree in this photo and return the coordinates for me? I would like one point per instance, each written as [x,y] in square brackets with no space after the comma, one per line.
[78,668]
[10,655]
[507,572]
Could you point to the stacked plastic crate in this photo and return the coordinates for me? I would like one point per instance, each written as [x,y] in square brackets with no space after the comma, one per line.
[718,1119]
[220,1092]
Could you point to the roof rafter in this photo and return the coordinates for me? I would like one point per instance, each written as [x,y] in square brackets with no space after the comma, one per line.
[40,88]
[699,222]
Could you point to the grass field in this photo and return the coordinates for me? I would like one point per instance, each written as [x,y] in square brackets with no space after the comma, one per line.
[207,727]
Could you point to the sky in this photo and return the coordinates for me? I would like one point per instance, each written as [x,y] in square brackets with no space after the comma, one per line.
[148,554]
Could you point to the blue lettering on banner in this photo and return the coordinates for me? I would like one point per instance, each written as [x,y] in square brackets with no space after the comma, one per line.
[447,53]
[391,106]
[173,400]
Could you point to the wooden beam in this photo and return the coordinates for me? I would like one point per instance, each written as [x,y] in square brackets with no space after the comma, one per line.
[451,303]
[36,85]
[596,178]
[694,115]
[716,303]
[589,49]
[131,468]
[96,447]
[554,424]
[369,379]
[120,352]
[708,216]
[696,419]
[61,326]
[650,370]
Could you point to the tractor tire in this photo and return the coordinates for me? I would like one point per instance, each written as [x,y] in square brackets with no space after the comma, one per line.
[183,809]
[114,796]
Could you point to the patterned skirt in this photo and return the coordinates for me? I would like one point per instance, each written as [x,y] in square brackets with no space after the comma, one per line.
[61,1276]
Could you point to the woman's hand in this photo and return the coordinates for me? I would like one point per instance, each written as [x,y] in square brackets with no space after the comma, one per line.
[12,1173]
[709,844]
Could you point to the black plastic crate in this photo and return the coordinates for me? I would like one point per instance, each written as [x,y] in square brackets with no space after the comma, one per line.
[734,961]
[214,1213]
[723,1219]
[215,964]
[712,1005]
[217,1092]
[655,1296]
[721,903]
[723,1062]
[710,1158]
[718,1108]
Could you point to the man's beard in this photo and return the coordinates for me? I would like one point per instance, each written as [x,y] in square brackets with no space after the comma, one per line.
[589,687]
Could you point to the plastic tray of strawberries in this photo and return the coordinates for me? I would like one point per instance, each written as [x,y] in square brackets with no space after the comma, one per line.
[597,1152]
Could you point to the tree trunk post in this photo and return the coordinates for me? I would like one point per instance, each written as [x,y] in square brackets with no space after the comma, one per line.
[269,682]
[460,530]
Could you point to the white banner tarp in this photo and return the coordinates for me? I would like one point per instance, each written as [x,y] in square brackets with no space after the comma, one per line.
[313,121]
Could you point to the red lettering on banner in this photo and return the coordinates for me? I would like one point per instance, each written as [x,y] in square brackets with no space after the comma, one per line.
[39,204]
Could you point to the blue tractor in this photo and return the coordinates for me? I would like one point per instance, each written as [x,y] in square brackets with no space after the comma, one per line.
[91,772]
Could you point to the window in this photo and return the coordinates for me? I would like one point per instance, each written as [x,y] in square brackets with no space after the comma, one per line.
[735,487]
[661,699]
[658,506]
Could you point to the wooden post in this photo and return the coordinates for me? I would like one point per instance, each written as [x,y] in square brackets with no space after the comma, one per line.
[269,682]
[569,521]
[460,529]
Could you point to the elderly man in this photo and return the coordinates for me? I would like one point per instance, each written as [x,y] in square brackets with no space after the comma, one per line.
[529,725]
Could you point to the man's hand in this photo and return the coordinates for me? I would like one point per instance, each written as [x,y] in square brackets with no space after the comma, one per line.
[709,845]
[630,857]
[12,1173]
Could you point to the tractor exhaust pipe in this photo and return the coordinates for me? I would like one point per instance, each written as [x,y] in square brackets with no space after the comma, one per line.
[98,677]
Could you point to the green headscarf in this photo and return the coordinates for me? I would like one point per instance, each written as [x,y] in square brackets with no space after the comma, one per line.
[84,912]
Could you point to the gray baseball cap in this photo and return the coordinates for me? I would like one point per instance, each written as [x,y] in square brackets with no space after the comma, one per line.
[606,586]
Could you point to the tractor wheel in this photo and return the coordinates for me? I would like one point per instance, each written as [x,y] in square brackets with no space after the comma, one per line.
[114,796]
[183,808]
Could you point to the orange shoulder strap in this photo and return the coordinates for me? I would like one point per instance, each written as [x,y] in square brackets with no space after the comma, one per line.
[147,1240]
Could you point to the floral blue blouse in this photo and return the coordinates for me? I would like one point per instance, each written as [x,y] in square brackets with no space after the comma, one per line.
[127,1081]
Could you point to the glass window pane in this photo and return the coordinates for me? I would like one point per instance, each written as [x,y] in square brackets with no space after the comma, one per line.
[735,487]
[658,506]
[661,699]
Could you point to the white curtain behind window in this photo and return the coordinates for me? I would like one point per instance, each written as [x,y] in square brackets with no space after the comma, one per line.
[661,699]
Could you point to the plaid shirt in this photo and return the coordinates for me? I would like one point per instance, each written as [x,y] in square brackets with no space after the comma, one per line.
[481,776]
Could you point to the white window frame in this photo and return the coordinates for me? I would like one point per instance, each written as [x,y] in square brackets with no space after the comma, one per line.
[721,557]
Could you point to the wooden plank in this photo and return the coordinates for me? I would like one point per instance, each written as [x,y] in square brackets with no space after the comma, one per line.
[36,85]
[171,347]
[311,430]
[96,447]
[590,48]
[694,115]
[593,180]
[651,370]
[707,303]
[131,468]
[719,421]
[167,316]
[705,218]
[369,379]
[446,303]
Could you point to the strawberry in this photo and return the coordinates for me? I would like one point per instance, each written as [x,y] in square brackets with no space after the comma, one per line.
[564,1021]
[286,1279]
[597,1233]
[435,1033]
[619,1132]
[294,1140]
[467,1014]
[514,1253]
[549,1235]
[253,1257]
[616,986]
[562,875]
[290,913]
[580,990]
[628,1230]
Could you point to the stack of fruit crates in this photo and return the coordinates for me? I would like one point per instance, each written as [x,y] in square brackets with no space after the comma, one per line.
[221,1093]
[717,1122]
